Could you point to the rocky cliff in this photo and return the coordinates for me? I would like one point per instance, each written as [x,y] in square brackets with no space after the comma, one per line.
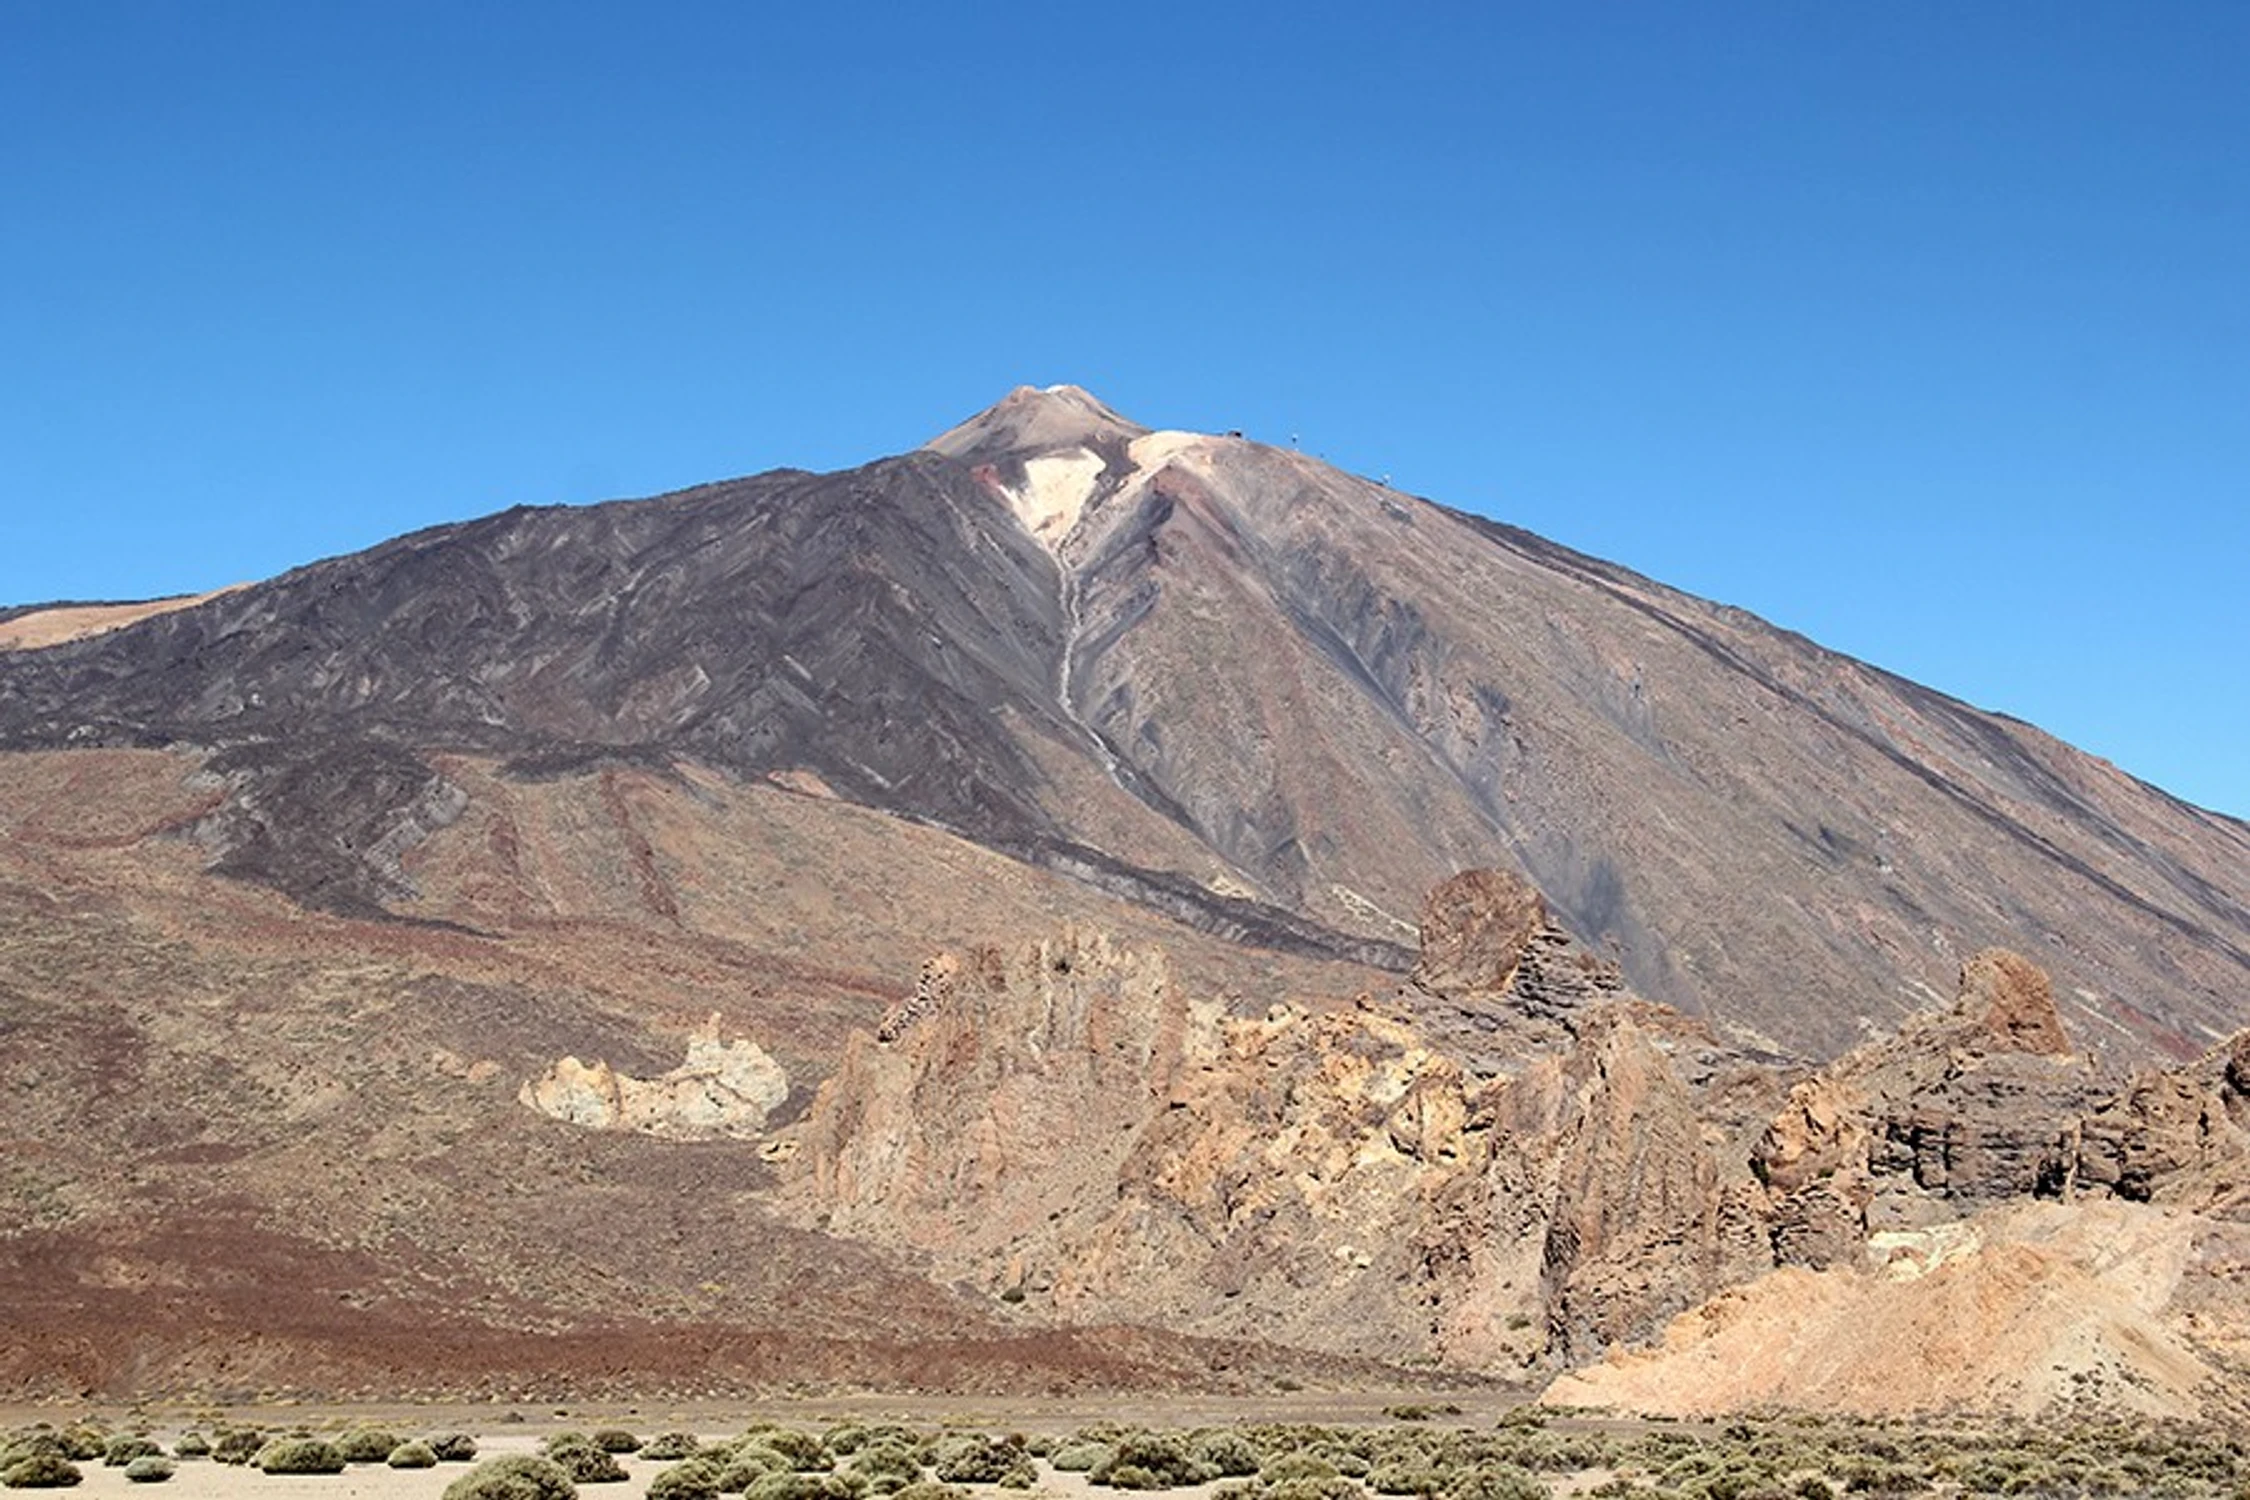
[1062,1126]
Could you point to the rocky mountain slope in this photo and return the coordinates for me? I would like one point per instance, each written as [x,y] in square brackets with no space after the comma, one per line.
[1030,633]
[889,926]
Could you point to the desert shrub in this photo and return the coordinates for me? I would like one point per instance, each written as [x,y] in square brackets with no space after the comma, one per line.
[367,1445]
[412,1454]
[796,1485]
[1226,1455]
[453,1447]
[616,1440]
[1495,1482]
[518,1476]
[1310,1488]
[1813,1487]
[982,1460]
[744,1467]
[84,1444]
[692,1480]
[885,1460]
[1410,1475]
[671,1445]
[39,1444]
[300,1455]
[806,1453]
[40,1471]
[1080,1457]
[576,1455]
[192,1445]
[930,1489]
[1299,1465]
[237,1445]
[120,1451]
[1149,1461]
[1348,1461]
[150,1468]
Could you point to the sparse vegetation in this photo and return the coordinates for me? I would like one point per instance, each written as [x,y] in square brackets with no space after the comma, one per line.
[983,1460]
[121,1451]
[300,1455]
[671,1445]
[616,1440]
[237,1445]
[40,1471]
[453,1447]
[366,1445]
[412,1454]
[150,1468]
[692,1480]
[584,1460]
[517,1476]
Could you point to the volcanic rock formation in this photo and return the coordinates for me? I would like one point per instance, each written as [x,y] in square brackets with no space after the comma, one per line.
[1032,633]
[301,883]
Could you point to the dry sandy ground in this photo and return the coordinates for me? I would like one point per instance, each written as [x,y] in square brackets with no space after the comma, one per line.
[51,627]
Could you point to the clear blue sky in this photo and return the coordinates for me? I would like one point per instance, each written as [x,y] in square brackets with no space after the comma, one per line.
[1923,329]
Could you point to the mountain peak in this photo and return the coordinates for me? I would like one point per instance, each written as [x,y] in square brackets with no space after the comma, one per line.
[1034,419]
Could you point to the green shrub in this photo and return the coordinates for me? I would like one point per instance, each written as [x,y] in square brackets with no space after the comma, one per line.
[886,1460]
[576,1455]
[120,1451]
[518,1476]
[1226,1455]
[39,1444]
[237,1445]
[1298,1465]
[794,1485]
[150,1468]
[412,1454]
[982,1460]
[1148,1461]
[930,1489]
[192,1445]
[1336,1487]
[41,1471]
[806,1453]
[1080,1458]
[84,1444]
[1495,1482]
[366,1445]
[745,1467]
[616,1440]
[1410,1475]
[300,1455]
[671,1445]
[693,1480]
[453,1447]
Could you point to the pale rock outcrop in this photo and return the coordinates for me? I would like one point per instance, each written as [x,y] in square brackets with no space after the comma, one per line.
[724,1089]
